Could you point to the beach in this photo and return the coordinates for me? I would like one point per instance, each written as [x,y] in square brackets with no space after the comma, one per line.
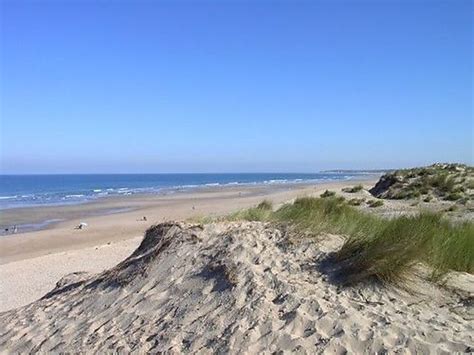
[186,177]
[180,281]
[31,263]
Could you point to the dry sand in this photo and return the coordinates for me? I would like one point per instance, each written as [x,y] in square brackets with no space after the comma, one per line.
[225,287]
[32,263]
[233,288]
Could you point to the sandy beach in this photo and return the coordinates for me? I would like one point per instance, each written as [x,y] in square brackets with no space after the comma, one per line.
[218,287]
[236,177]
[32,263]
[232,288]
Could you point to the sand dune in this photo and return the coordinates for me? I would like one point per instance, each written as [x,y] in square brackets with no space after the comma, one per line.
[31,263]
[234,287]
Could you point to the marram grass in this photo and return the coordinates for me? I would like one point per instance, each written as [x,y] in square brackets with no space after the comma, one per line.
[385,249]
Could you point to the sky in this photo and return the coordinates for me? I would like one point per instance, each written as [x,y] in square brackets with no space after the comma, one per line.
[234,86]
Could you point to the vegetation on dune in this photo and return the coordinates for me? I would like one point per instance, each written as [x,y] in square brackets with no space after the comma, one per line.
[444,181]
[375,203]
[454,196]
[353,189]
[470,184]
[389,251]
[265,205]
[356,201]
[328,193]
[385,249]
[261,212]
[451,208]
[428,198]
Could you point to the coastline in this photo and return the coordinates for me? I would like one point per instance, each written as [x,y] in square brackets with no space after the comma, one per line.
[35,217]
[31,263]
[109,227]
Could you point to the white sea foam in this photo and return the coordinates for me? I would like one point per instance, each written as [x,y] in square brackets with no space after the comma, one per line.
[7,197]
[76,195]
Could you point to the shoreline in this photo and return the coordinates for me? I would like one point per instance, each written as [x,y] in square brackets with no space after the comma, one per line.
[82,195]
[42,217]
[104,228]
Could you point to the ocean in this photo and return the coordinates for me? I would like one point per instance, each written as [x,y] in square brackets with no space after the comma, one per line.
[45,190]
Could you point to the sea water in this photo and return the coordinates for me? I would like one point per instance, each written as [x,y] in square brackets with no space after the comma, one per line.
[41,190]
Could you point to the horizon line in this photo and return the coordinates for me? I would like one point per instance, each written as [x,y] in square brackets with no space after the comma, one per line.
[204,173]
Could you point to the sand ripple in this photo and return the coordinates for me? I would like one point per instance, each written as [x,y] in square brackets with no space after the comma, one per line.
[235,287]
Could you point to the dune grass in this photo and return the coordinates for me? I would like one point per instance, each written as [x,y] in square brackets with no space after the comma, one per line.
[375,203]
[356,201]
[353,189]
[262,212]
[328,193]
[389,251]
[385,249]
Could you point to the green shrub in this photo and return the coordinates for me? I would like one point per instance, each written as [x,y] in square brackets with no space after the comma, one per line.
[458,189]
[463,201]
[328,193]
[423,172]
[443,182]
[375,203]
[428,198]
[439,180]
[424,190]
[453,196]
[406,194]
[353,189]
[356,201]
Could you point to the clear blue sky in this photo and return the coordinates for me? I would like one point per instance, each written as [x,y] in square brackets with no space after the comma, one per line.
[228,86]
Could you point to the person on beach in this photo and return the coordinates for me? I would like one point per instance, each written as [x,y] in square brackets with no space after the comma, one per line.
[81,225]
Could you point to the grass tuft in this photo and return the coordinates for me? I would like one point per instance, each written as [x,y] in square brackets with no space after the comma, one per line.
[353,189]
[265,205]
[356,201]
[261,212]
[328,193]
[384,249]
[375,203]
[389,252]
[453,196]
